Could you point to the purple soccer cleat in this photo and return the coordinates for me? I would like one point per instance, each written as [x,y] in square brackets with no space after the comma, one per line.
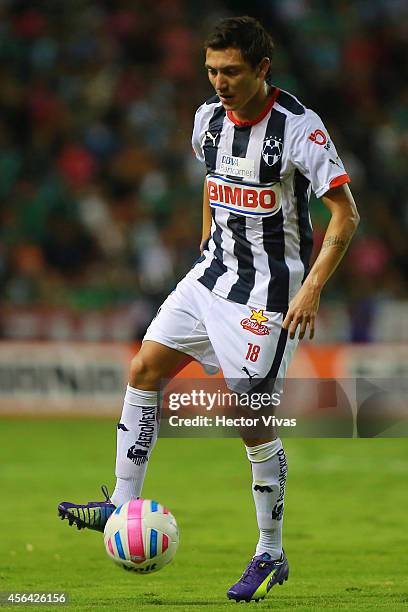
[259,577]
[92,515]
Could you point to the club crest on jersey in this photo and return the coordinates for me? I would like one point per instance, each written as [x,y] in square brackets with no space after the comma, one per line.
[272,150]
[255,323]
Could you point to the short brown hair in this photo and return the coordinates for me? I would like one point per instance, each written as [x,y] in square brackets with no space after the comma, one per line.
[243,33]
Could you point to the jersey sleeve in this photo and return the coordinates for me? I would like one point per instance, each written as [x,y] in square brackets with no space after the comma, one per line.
[314,154]
[197,137]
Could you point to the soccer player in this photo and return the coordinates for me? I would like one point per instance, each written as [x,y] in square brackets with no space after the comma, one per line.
[251,295]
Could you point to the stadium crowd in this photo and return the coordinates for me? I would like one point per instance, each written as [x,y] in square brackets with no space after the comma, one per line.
[100,194]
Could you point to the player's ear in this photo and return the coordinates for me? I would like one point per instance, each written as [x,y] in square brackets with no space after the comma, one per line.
[263,67]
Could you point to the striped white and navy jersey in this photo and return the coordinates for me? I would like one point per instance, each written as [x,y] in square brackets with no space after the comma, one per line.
[259,179]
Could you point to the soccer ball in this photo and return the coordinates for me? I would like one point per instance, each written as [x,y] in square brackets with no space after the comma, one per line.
[141,535]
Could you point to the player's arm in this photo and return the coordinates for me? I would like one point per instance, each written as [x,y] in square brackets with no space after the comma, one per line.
[343,223]
[206,218]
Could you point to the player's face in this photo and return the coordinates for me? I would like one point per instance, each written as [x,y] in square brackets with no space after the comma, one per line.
[235,81]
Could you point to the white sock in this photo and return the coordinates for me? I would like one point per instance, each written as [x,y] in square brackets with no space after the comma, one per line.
[136,437]
[269,468]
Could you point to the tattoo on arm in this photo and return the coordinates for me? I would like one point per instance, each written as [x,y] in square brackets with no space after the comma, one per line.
[337,242]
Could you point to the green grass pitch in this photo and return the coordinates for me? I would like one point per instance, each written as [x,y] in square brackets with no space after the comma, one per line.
[345,521]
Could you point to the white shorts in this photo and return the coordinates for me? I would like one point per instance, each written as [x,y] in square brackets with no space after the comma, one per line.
[247,343]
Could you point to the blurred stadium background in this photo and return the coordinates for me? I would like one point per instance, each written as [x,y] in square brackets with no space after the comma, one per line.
[100,194]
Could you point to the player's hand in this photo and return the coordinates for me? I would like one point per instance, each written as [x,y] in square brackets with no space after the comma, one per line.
[302,311]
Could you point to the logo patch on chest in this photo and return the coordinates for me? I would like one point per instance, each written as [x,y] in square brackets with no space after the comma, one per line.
[237,166]
[243,198]
[272,150]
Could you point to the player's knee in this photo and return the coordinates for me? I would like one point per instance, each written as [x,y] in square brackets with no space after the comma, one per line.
[143,374]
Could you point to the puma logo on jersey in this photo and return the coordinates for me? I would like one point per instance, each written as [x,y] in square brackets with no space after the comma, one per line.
[212,137]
